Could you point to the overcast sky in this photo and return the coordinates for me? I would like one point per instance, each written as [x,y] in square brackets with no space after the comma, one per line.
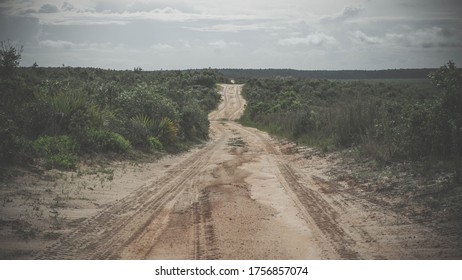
[180,34]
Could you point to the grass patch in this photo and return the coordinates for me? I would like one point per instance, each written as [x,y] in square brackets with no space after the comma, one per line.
[236,142]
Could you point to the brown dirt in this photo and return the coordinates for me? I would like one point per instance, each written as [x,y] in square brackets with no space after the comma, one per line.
[240,196]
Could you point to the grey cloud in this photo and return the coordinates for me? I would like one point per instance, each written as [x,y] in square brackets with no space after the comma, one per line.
[123,6]
[425,38]
[27,12]
[135,34]
[314,39]
[347,13]
[360,37]
[143,6]
[351,11]
[447,6]
[447,32]
[68,7]
[18,28]
[110,6]
[48,9]
[166,14]
[161,47]
[227,27]
[450,45]
[58,44]
[221,44]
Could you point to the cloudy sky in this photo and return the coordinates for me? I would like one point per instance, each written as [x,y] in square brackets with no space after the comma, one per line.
[180,34]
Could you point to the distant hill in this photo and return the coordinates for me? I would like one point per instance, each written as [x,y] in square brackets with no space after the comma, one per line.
[328,74]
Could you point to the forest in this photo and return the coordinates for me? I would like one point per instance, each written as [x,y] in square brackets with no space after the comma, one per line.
[51,117]
[418,120]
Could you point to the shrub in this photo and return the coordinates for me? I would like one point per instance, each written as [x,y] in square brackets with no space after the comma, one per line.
[155,144]
[194,122]
[62,106]
[10,56]
[144,101]
[167,131]
[8,136]
[107,141]
[118,143]
[137,133]
[56,152]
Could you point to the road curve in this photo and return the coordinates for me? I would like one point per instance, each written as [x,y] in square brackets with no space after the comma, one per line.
[241,197]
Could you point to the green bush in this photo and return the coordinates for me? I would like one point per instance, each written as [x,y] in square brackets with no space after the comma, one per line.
[118,143]
[10,56]
[137,133]
[8,144]
[107,141]
[62,106]
[167,131]
[145,101]
[155,144]
[194,122]
[56,152]
[140,128]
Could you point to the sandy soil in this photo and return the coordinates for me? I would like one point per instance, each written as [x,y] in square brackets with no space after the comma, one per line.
[240,196]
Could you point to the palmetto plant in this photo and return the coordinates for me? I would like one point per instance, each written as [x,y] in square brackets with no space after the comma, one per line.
[62,105]
[143,121]
[165,130]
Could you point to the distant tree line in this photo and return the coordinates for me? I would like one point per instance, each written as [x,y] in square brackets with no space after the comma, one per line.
[326,74]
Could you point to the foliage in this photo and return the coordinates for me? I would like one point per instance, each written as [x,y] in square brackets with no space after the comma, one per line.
[155,144]
[386,121]
[448,113]
[10,56]
[166,131]
[90,110]
[194,122]
[56,152]
[14,97]
[138,133]
[10,143]
[107,141]
[61,107]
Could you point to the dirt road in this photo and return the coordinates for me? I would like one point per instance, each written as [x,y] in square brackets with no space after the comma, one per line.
[242,197]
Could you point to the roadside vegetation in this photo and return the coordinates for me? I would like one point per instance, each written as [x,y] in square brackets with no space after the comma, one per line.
[52,117]
[388,122]
[398,142]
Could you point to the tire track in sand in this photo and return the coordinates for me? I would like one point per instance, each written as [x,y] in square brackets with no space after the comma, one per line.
[205,241]
[106,234]
[315,209]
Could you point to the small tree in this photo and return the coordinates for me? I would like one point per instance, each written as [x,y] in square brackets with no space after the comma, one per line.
[10,55]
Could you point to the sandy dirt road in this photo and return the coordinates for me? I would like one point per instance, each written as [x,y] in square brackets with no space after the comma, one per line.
[242,197]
